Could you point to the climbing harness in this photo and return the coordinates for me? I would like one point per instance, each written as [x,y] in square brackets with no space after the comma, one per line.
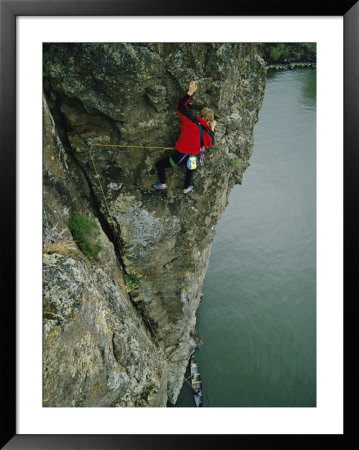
[191,161]
[201,156]
[173,164]
[201,152]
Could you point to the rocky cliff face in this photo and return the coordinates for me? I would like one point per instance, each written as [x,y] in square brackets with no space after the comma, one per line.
[119,327]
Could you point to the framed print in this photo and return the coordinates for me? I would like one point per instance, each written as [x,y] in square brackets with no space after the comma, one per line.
[126,130]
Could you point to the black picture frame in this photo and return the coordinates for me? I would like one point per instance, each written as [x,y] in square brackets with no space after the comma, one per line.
[9,10]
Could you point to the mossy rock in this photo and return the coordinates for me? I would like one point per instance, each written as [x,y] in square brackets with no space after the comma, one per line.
[85,231]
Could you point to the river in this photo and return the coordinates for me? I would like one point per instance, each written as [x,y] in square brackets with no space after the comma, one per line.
[257,317]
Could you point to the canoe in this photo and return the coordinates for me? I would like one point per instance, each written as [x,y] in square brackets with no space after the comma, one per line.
[196,382]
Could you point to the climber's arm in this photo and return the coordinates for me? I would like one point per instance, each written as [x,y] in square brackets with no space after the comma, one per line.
[182,105]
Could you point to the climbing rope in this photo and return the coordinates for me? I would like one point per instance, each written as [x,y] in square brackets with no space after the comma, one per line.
[106,203]
[99,179]
[105,200]
[131,146]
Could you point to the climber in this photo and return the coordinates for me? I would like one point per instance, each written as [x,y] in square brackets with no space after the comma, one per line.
[196,132]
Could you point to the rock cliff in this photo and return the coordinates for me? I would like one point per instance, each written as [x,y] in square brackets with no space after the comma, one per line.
[119,326]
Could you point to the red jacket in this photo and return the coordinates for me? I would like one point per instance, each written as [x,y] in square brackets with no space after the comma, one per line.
[189,140]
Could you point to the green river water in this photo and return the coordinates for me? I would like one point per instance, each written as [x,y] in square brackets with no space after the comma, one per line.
[257,317]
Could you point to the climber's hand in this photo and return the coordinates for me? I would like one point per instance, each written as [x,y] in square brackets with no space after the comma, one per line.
[213,124]
[192,88]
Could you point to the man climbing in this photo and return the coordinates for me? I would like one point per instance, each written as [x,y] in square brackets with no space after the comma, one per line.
[196,132]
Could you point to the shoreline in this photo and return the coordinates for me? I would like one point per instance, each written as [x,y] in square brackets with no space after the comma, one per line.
[291,66]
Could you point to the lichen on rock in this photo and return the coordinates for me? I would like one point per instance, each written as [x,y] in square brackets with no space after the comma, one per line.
[106,344]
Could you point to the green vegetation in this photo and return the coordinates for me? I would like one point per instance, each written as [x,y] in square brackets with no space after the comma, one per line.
[132,281]
[287,53]
[235,162]
[84,231]
[311,47]
[279,53]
